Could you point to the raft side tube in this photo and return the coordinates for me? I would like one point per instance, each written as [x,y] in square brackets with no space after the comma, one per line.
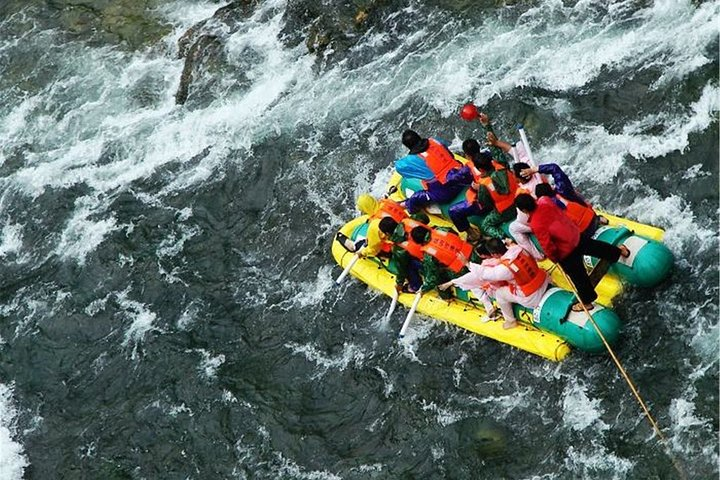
[554,314]
[463,314]
[650,262]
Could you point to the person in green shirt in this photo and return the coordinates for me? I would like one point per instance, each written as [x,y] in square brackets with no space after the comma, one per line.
[491,194]
[407,278]
[421,274]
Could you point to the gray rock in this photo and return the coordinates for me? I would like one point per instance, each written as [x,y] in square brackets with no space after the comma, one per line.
[129,23]
[202,47]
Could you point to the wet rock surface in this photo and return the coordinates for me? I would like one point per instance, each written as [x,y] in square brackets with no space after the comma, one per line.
[129,24]
[202,47]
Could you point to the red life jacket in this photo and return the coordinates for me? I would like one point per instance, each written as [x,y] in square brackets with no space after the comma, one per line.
[527,274]
[581,215]
[501,202]
[439,160]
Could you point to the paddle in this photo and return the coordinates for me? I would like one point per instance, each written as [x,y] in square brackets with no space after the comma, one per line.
[393,304]
[524,139]
[410,314]
[348,267]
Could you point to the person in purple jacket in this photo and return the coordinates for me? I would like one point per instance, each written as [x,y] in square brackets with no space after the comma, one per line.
[430,161]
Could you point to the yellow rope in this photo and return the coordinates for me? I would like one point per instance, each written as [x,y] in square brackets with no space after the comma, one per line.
[625,375]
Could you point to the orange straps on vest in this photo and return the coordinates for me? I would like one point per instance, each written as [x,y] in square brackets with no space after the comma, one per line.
[527,274]
[390,208]
[470,193]
[448,249]
[580,215]
[439,160]
[502,202]
[414,249]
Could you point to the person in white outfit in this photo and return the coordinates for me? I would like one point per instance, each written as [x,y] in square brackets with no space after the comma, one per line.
[528,179]
[511,275]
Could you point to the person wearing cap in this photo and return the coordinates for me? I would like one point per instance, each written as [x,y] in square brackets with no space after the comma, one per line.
[491,194]
[430,161]
[514,277]
[562,243]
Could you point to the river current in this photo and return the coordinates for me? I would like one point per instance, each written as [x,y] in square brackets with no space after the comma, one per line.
[167,306]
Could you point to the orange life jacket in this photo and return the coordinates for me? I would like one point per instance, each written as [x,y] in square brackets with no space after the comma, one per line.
[470,193]
[501,202]
[413,248]
[439,160]
[448,249]
[527,274]
[390,208]
[581,215]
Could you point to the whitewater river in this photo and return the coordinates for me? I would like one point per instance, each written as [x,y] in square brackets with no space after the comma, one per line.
[167,307]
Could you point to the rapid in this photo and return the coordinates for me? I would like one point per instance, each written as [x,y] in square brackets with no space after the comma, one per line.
[167,305]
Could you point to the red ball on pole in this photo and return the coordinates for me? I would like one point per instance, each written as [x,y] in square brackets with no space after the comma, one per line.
[469,112]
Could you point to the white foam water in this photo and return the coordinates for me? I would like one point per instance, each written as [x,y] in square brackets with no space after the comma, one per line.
[286,93]
[210,363]
[351,355]
[579,411]
[142,321]
[593,460]
[13,460]
[89,109]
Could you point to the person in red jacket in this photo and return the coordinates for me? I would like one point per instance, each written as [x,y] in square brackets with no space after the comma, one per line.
[582,215]
[561,242]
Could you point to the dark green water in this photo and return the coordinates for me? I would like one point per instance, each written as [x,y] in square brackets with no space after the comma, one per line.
[166,302]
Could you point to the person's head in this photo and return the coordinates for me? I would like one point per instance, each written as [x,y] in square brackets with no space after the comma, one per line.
[420,235]
[519,167]
[496,247]
[481,157]
[387,225]
[470,147]
[483,160]
[366,203]
[544,190]
[525,203]
[414,142]
[481,250]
